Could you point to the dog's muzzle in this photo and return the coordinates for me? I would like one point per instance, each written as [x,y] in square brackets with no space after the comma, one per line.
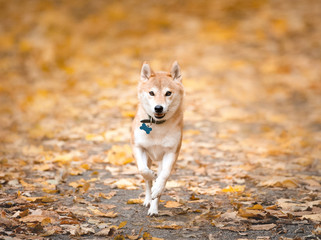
[159,111]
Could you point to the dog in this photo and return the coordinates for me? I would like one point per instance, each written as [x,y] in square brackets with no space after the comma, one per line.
[157,129]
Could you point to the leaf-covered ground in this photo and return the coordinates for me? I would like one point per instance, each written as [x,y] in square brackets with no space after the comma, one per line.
[249,167]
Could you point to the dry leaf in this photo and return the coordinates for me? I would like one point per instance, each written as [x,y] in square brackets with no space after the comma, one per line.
[280,182]
[172,204]
[107,232]
[289,205]
[120,155]
[170,225]
[246,213]
[44,199]
[122,224]
[125,183]
[256,207]
[313,217]
[135,201]
[232,189]
[108,195]
[99,213]
[262,227]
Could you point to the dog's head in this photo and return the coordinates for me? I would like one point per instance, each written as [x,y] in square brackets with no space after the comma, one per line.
[161,93]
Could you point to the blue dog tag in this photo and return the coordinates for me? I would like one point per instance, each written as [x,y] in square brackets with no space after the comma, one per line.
[145,128]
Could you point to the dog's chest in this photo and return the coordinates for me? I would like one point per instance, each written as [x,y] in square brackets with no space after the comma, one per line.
[159,141]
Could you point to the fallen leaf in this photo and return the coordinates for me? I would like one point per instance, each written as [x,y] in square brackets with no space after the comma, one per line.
[256,207]
[119,237]
[147,236]
[120,155]
[279,181]
[126,183]
[122,224]
[172,204]
[99,213]
[108,195]
[169,225]
[33,218]
[262,227]
[44,199]
[313,217]
[232,189]
[107,232]
[290,205]
[246,213]
[135,201]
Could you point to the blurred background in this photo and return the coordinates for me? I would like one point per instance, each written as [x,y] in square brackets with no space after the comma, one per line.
[69,70]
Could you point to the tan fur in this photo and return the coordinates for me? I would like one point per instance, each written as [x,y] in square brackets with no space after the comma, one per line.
[164,142]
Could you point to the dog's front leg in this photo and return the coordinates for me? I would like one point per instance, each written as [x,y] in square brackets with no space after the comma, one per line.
[153,209]
[166,168]
[143,164]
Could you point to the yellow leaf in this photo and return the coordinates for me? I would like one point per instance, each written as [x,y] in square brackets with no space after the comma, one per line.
[119,237]
[126,184]
[147,236]
[130,114]
[170,226]
[99,213]
[42,167]
[191,132]
[256,207]
[25,184]
[236,188]
[122,224]
[246,213]
[64,158]
[47,199]
[75,184]
[94,137]
[172,204]
[44,199]
[280,182]
[135,201]
[45,221]
[107,196]
[85,166]
[49,190]
[120,155]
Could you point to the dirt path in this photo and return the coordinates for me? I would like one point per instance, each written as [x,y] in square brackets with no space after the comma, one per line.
[249,167]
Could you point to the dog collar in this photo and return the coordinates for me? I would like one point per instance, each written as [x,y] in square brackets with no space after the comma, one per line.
[152,120]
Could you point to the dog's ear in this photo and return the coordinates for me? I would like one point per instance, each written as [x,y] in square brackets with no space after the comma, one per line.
[146,72]
[176,72]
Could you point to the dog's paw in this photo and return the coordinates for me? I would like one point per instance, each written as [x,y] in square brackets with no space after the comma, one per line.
[157,190]
[147,202]
[148,174]
[152,211]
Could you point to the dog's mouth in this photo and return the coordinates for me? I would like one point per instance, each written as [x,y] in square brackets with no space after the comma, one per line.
[159,115]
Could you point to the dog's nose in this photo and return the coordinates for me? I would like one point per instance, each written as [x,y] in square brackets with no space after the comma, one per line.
[158,108]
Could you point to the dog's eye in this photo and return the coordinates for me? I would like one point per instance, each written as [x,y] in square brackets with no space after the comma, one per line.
[168,93]
[151,93]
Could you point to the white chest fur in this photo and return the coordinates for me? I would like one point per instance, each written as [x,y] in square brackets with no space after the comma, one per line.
[162,139]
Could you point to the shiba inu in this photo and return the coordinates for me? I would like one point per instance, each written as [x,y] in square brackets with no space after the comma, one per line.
[157,128]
